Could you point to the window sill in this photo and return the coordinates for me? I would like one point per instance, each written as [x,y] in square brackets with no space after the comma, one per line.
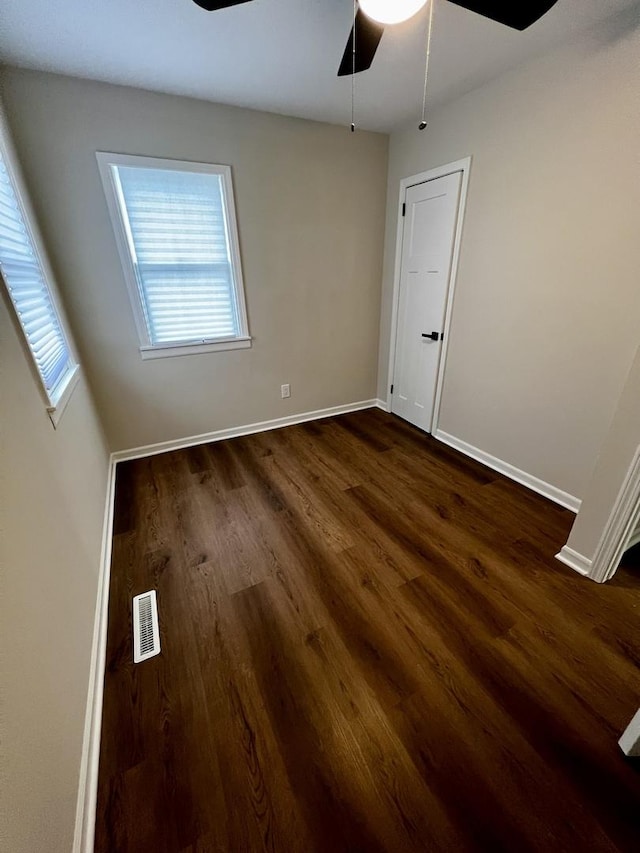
[55,411]
[172,350]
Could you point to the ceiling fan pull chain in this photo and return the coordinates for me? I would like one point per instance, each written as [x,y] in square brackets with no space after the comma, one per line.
[353,69]
[423,123]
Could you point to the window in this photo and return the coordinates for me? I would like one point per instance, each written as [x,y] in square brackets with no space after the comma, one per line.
[176,232]
[27,277]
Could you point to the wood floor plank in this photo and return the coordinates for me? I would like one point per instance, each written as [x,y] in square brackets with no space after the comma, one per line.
[367,645]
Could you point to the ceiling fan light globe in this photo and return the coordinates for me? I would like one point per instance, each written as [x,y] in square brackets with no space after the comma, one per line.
[391,11]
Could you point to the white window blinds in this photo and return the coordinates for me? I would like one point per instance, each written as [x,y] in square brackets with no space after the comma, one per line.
[26,282]
[178,236]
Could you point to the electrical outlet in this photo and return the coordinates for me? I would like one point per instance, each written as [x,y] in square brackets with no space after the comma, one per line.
[285,391]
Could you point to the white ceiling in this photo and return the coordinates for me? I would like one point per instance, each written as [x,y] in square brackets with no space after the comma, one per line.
[278,55]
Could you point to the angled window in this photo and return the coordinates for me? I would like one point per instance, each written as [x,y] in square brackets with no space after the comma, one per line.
[176,231]
[28,279]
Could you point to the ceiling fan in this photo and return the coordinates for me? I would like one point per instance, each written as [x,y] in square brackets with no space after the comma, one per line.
[368,32]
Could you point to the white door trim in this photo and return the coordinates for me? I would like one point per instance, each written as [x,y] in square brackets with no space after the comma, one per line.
[622,524]
[630,740]
[463,166]
[617,535]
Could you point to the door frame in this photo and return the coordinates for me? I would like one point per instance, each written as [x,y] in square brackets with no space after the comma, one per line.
[621,525]
[463,166]
[618,533]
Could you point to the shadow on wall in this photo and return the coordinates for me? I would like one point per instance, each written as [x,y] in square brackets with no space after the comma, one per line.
[619,27]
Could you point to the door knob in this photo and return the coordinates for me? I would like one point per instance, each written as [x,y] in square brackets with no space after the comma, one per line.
[434,336]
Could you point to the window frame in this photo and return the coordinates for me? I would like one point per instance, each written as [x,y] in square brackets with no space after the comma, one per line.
[107,165]
[56,400]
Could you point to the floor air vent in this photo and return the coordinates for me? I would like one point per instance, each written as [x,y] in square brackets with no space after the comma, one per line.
[146,636]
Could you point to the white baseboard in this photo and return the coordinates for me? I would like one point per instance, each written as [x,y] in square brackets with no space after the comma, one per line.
[382,404]
[88,780]
[236,432]
[578,562]
[534,483]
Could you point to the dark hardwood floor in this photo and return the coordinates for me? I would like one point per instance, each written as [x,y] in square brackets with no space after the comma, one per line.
[367,646]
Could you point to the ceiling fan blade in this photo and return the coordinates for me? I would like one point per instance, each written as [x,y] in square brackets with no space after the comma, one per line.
[367,34]
[517,15]
[214,5]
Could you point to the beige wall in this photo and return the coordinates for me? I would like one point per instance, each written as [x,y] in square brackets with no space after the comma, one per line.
[548,296]
[310,200]
[53,486]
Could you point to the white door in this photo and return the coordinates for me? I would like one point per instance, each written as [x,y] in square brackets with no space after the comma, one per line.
[430,220]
